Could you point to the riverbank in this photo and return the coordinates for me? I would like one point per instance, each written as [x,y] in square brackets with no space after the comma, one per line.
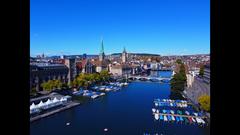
[68,106]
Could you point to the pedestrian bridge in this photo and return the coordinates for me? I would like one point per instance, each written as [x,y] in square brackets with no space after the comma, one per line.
[150,78]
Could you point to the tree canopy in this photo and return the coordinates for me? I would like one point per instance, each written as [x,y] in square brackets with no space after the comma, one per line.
[178,81]
[204,102]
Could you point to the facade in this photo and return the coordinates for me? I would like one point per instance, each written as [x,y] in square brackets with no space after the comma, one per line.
[42,72]
[87,66]
[206,74]
[120,70]
[71,64]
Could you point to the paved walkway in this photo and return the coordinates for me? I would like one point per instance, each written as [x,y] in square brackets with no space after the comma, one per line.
[198,88]
[69,105]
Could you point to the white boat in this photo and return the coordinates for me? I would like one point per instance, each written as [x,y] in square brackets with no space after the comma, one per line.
[102,94]
[171,104]
[187,112]
[157,111]
[164,100]
[173,118]
[198,120]
[202,121]
[165,118]
[193,119]
[153,110]
[94,96]
[195,114]
[172,112]
[156,104]
[156,116]
[108,89]
[125,83]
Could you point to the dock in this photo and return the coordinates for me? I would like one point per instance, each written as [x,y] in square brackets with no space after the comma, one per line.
[72,104]
[180,115]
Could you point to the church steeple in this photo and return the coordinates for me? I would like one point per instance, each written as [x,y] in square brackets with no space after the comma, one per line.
[124,55]
[102,48]
[101,55]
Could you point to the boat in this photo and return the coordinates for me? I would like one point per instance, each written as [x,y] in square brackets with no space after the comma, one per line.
[187,112]
[193,120]
[156,104]
[68,124]
[157,111]
[164,111]
[190,120]
[173,118]
[153,110]
[180,118]
[177,118]
[195,114]
[169,117]
[161,117]
[198,121]
[186,120]
[165,118]
[156,116]
[171,104]
[202,121]
[172,112]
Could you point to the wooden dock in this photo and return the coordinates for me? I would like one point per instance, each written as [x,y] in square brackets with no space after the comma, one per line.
[180,115]
[54,111]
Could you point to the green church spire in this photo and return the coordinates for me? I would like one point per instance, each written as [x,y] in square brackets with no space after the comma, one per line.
[102,48]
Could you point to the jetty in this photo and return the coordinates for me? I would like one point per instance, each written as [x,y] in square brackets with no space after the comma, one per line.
[179,115]
[70,105]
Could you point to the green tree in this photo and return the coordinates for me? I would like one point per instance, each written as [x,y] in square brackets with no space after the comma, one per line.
[201,71]
[179,61]
[46,86]
[104,75]
[204,102]
[178,82]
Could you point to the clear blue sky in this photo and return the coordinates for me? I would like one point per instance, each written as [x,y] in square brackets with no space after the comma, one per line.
[164,27]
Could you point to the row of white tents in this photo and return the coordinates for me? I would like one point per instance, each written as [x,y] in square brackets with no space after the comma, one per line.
[46,105]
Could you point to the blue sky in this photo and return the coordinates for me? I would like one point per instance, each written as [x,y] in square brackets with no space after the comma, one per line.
[165,27]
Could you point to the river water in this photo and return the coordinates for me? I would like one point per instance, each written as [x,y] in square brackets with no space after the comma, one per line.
[126,112]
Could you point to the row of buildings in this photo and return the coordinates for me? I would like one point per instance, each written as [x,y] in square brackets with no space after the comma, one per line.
[67,68]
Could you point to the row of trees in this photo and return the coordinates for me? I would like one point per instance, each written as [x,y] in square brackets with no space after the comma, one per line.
[178,82]
[82,80]
[86,80]
[52,84]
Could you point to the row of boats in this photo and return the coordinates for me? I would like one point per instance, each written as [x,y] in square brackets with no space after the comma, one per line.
[180,105]
[171,103]
[178,112]
[170,100]
[112,86]
[169,118]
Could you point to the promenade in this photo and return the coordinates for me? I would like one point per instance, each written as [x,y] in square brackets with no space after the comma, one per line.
[69,105]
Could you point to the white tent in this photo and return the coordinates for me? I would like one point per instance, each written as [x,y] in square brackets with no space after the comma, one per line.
[63,99]
[33,106]
[55,100]
[49,102]
[41,104]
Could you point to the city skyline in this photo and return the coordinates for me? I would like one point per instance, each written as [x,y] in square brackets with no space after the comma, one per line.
[156,27]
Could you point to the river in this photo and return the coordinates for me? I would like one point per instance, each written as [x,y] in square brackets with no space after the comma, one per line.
[128,111]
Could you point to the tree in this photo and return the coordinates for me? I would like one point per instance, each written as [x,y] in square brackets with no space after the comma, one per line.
[104,75]
[178,82]
[179,61]
[201,71]
[204,102]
